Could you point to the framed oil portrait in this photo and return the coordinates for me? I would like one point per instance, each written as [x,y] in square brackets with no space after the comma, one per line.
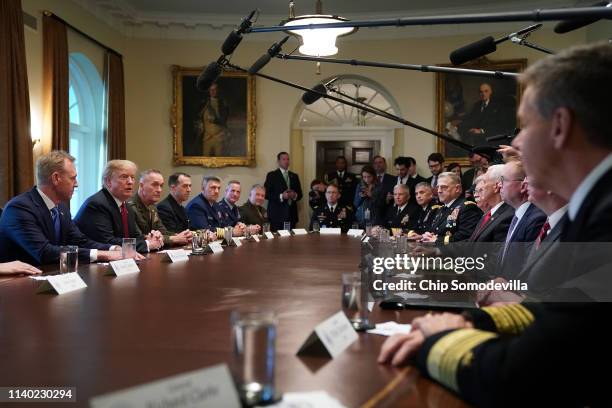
[472,108]
[214,128]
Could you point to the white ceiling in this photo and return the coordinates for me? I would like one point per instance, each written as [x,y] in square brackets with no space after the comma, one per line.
[196,19]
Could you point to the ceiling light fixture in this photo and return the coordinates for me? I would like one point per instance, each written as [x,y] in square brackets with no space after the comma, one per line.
[319,42]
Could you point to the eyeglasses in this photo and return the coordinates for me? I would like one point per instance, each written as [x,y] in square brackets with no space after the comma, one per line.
[502,180]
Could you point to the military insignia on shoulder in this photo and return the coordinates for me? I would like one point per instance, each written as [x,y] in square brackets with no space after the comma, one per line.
[435,206]
[469,203]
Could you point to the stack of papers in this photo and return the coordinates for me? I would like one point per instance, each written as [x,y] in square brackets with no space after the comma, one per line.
[390,328]
[307,399]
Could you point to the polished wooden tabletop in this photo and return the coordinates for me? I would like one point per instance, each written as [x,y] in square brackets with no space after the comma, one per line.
[173,318]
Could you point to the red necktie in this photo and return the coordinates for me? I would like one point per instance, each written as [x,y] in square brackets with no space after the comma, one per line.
[482,224]
[124,221]
[542,234]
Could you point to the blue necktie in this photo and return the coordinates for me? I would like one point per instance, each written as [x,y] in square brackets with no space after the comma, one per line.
[55,216]
[509,236]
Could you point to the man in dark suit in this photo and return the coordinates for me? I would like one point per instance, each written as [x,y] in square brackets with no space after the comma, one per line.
[402,213]
[345,181]
[525,225]
[333,214]
[170,209]
[385,180]
[107,217]
[435,162]
[229,208]
[252,212]
[283,191]
[565,116]
[458,217]
[412,178]
[427,210]
[37,223]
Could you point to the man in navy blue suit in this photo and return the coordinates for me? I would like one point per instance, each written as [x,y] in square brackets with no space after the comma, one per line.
[283,191]
[36,223]
[229,207]
[525,225]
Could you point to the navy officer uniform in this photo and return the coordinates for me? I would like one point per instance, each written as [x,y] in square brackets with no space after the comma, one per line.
[401,217]
[327,216]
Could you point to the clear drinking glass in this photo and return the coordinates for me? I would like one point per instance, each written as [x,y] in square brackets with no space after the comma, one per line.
[128,247]
[383,235]
[402,244]
[315,226]
[266,227]
[355,226]
[354,300]
[227,235]
[254,343]
[69,258]
[287,226]
[247,231]
[198,243]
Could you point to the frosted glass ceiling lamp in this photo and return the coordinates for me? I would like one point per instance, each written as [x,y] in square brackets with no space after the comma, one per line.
[319,42]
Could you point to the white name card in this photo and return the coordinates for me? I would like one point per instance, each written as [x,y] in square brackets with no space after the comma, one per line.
[300,231]
[269,235]
[355,232]
[215,247]
[124,267]
[209,387]
[366,240]
[64,283]
[177,255]
[255,238]
[330,338]
[330,231]
[237,241]
[284,233]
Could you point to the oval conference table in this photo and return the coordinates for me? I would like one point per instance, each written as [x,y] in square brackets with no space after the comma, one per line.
[172,318]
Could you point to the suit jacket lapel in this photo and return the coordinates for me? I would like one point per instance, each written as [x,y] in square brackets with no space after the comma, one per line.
[116,212]
[45,215]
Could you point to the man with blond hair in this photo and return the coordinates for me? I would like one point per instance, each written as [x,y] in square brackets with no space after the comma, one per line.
[106,215]
[37,223]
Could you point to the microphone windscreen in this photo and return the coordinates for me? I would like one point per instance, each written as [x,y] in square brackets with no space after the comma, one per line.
[260,63]
[565,26]
[208,76]
[474,50]
[231,42]
[312,96]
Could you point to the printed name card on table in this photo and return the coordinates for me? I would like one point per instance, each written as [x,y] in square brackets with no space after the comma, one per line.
[255,238]
[300,231]
[329,338]
[355,232]
[123,267]
[284,233]
[215,247]
[177,255]
[61,284]
[209,387]
[365,239]
[330,231]
[269,235]
[237,241]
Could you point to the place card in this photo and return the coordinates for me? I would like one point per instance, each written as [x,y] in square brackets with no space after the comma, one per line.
[269,235]
[284,233]
[330,231]
[355,232]
[330,338]
[365,240]
[215,247]
[300,231]
[123,267]
[60,284]
[237,241]
[255,238]
[177,255]
[209,387]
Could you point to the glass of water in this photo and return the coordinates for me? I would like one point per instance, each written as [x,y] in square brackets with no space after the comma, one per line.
[287,226]
[69,259]
[198,243]
[254,344]
[354,300]
[315,226]
[355,226]
[266,227]
[227,235]
[128,247]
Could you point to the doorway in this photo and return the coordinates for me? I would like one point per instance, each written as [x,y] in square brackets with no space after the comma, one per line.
[357,152]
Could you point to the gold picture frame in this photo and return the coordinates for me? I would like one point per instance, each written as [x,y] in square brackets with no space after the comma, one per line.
[460,113]
[213,130]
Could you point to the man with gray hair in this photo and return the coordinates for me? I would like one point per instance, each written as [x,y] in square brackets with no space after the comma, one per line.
[252,212]
[107,217]
[458,217]
[37,223]
[204,211]
[229,207]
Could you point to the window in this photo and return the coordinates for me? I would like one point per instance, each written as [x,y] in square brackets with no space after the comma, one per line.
[87,120]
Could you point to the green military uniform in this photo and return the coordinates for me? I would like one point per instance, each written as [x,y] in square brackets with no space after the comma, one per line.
[456,222]
[147,218]
[251,214]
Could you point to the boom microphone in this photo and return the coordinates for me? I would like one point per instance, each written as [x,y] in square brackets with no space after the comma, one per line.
[314,94]
[234,38]
[566,26]
[485,46]
[208,76]
[264,59]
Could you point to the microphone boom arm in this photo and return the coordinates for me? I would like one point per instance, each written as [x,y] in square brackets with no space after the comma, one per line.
[458,143]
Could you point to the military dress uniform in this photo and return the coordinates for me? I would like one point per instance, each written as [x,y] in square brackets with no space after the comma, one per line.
[328,218]
[404,218]
[456,222]
[424,217]
[147,218]
[252,214]
[230,214]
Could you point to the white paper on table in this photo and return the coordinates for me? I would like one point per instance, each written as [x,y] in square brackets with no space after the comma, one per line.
[307,399]
[390,328]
